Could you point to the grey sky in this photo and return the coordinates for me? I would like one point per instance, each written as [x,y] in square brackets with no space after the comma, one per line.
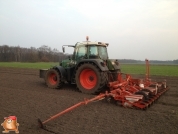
[134,29]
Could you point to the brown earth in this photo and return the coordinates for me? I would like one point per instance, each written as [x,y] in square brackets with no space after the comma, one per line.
[25,95]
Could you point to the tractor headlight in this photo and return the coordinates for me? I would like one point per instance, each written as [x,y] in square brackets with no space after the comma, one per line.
[113,63]
[117,63]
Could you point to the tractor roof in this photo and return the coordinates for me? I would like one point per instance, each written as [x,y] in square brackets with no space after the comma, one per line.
[95,43]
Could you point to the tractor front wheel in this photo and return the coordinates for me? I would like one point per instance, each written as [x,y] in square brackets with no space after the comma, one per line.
[53,78]
[89,79]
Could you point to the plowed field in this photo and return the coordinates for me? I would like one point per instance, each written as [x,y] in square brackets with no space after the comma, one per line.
[25,95]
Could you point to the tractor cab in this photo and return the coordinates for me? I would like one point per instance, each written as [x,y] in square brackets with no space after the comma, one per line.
[90,50]
[86,50]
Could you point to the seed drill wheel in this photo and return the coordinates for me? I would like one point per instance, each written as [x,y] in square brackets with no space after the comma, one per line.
[89,78]
[53,79]
[145,96]
[150,94]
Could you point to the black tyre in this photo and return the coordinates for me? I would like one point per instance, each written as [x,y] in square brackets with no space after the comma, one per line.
[145,96]
[89,79]
[53,79]
[150,94]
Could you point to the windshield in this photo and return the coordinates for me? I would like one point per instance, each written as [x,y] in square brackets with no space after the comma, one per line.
[98,52]
[103,52]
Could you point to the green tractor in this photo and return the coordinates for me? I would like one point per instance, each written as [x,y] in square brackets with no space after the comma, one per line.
[89,68]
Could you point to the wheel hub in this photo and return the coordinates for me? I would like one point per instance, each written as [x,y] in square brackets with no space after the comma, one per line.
[52,78]
[91,78]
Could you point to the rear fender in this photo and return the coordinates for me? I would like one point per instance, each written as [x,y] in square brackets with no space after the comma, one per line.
[99,63]
[62,72]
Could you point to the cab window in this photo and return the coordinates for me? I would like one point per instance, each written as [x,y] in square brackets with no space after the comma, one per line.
[81,52]
[93,52]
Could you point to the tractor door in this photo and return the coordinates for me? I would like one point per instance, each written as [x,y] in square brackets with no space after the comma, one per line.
[81,53]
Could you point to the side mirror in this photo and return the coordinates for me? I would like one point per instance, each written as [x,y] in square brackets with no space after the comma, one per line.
[63,49]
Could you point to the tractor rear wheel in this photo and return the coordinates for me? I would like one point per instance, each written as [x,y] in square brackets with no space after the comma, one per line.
[53,78]
[89,79]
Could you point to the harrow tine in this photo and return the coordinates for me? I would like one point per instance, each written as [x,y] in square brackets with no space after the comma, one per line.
[40,124]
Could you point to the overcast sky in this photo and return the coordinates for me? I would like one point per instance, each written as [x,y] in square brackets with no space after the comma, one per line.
[134,29]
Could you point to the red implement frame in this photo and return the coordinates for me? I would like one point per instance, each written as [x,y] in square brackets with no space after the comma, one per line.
[127,92]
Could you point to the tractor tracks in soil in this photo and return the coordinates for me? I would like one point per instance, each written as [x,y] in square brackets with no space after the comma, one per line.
[172,95]
[21,71]
[7,72]
[171,113]
[167,104]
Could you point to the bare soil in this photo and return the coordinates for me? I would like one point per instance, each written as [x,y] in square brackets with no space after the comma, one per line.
[25,95]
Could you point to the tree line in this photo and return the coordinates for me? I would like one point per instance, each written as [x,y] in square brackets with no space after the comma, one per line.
[32,54]
[46,54]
